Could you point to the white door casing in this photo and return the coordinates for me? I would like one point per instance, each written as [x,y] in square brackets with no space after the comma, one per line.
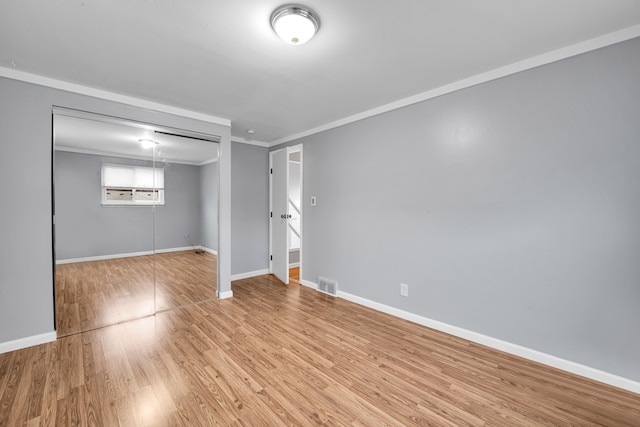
[279,214]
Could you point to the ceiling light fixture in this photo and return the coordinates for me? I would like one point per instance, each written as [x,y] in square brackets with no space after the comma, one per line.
[147,143]
[295,24]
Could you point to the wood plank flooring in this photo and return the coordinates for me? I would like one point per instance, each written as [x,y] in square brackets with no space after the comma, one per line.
[287,355]
[294,275]
[93,294]
[183,278]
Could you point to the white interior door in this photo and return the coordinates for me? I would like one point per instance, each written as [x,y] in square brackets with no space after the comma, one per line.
[279,216]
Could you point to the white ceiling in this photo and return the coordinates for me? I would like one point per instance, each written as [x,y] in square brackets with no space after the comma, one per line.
[221,58]
[122,139]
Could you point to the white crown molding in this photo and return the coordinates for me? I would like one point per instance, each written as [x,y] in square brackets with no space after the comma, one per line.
[109,96]
[536,61]
[507,347]
[66,149]
[527,64]
[128,156]
[250,142]
[206,162]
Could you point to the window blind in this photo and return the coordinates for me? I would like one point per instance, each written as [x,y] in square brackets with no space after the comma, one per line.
[122,176]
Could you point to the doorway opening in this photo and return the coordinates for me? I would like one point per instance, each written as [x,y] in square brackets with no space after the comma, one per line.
[286,213]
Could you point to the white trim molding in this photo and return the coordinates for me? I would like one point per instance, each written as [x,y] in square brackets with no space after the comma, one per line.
[211,251]
[128,156]
[309,284]
[250,274]
[102,257]
[21,343]
[184,248]
[225,295]
[527,64]
[127,255]
[250,142]
[109,96]
[507,347]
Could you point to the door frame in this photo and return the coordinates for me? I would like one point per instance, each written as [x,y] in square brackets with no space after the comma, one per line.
[289,150]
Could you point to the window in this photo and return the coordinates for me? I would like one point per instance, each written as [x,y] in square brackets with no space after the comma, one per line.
[126,185]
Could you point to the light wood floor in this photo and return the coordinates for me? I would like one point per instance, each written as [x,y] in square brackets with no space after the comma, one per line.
[288,355]
[183,278]
[93,294]
[294,276]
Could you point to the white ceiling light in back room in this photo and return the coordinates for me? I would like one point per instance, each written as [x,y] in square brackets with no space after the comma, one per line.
[295,24]
[147,143]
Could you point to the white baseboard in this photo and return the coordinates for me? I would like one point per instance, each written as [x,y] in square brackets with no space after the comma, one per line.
[507,347]
[166,251]
[309,284]
[102,257]
[294,264]
[250,274]
[225,295]
[211,251]
[21,343]
[256,273]
[126,255]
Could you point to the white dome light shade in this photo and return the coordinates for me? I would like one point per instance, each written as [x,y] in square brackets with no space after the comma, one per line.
[147,143]
[294,24]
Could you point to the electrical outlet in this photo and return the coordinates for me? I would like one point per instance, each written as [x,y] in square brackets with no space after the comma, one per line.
[404,289]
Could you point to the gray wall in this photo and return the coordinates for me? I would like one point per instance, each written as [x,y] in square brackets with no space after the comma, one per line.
[84,228]
[294,256]
[209,205]
[250,207]
[26,273]
[511,209]
[180,216]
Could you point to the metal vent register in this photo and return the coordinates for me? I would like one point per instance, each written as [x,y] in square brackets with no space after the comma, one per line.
[327,286]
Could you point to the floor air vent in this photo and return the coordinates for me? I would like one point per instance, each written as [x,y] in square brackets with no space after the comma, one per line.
[327,286]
